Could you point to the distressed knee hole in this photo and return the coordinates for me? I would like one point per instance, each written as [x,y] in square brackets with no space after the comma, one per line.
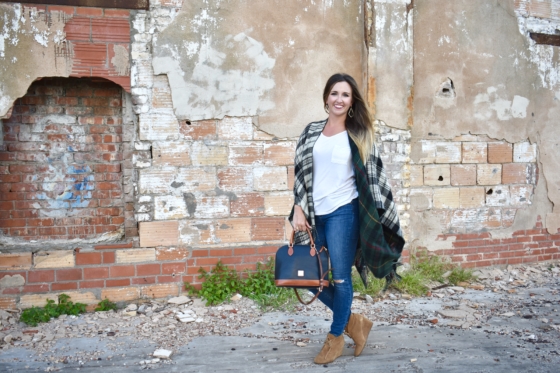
[338,281]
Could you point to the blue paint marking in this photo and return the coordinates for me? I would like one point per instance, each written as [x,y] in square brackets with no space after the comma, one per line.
[71,149]
[78,169]
[41,196]
[65,195]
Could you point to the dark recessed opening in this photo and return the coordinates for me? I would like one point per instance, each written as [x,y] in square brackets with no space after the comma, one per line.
[188,122]
[547,39]
[440,178]
[490,191]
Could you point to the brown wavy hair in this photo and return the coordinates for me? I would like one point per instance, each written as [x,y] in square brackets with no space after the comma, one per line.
[359,126]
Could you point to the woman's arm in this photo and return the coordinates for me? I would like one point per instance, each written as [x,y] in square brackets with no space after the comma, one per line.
[299,221]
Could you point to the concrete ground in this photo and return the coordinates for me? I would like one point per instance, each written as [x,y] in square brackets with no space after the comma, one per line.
[512,328]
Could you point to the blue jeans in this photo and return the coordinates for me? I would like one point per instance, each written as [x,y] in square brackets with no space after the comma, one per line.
[339,231]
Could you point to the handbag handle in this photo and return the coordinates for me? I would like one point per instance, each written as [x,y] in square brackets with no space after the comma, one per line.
[318,292]
[292,239]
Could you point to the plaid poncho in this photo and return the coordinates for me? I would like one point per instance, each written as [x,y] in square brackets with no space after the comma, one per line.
[381,240]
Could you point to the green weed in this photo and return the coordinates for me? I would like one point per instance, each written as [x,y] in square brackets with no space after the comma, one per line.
[106,305]
[34,315]
[222,282]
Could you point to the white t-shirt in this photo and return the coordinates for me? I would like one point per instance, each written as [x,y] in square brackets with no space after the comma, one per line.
[334,183]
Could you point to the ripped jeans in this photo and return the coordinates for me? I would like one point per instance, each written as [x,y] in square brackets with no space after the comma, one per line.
[339,231]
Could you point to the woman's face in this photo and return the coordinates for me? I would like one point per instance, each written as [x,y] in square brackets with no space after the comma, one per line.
[340,99]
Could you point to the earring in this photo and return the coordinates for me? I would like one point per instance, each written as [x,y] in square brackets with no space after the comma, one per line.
[351,112]
[327,108]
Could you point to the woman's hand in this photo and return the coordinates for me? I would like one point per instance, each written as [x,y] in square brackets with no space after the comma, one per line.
[299,221]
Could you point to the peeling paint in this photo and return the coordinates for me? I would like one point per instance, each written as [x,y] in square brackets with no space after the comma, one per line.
[494,102]
[27,34]
[244,59]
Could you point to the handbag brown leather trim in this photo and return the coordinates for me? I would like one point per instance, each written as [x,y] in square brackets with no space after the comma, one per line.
[300,283]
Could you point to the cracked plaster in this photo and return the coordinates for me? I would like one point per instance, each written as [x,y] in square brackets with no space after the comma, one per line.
[31,46]
[241,58]
[506,90]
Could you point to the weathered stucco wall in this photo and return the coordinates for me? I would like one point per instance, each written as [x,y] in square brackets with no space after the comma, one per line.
[467,107]
[475,94]
[259,57]
[30,46]
[37,41]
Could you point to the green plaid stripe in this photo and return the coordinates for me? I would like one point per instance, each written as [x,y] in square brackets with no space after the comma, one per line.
[381,240]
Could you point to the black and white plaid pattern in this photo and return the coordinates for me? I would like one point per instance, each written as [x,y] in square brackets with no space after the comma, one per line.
[384,243]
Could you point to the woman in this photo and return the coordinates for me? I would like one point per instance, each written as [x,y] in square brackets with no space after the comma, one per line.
[342,196]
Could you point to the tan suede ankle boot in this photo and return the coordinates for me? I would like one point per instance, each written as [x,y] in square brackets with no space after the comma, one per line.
[358,329]
[331,349]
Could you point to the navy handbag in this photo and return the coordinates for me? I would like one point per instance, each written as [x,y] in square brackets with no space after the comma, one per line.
[302,266]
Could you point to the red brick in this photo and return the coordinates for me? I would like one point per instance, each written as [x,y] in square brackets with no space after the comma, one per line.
[88,258]
[220,252]
[40,276]
[148,269]
[92,284]
[267,250]
[472,236]
[500,152]
[199,253]
[117,13]
[511,254]
[64,286]
[207,261]
[96,272]
[143,280]
[122,271]
[234,260]
[468,250]
[517,246]
[167,279]
[516,173]
[245,251]
[119,282]
[89,11]
[173,268]
[72,274]
[476,243]
[6,223]
[108,257]
[114,246]
[107,92]
[10,178]
[43,288]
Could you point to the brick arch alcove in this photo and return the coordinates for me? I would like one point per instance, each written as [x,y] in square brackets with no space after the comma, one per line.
[60,162]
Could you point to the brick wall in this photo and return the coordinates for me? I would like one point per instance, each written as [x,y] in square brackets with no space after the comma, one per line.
[60,164]
[481,250]
[97,41]
[473,183]
[118,272]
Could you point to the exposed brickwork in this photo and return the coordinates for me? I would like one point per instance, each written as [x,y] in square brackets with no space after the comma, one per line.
[481,250]
[98,40]
[62,159]
[493,180]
